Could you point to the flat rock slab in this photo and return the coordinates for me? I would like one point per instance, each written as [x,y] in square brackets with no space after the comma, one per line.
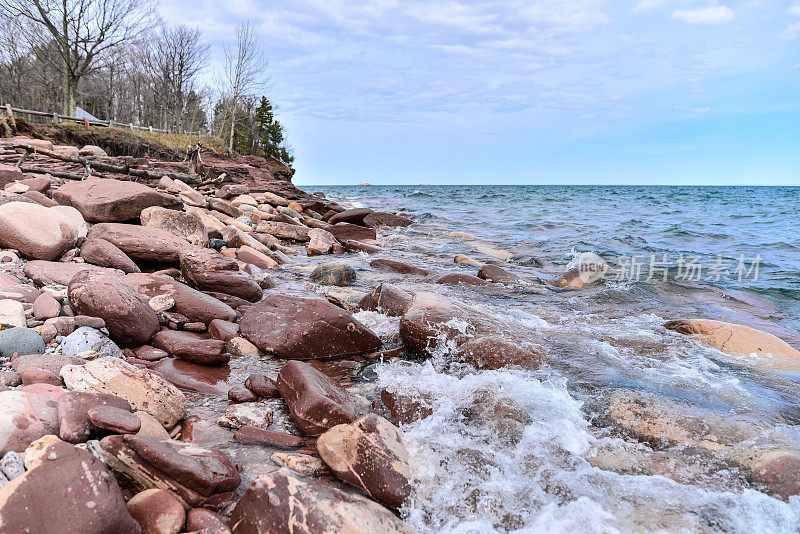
[103,200]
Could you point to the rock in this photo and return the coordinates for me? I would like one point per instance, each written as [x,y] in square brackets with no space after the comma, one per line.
[345,231]
[405,409]
[106,254]
[193,304]
[370,454]
[144,390]
[334,274]
[191,347]
[239,346]
[141,243]
[92,151]
[503,417]
[12,313]
[738,340]
[399,267]
[20,341]
[9,174]
[50,273]
[223,330]
[353,216]
[456,279]
[161,303]
[252,434]
[570,278]
[305,328]
[46,362]
[25,417]
[186,225]
[10,379]
[34,453]
[38,232]
[113,419]
[150,354]
[387,299]
[495,353]
[69,491]
[315,401]
[282,502]
[320,242]
[232,190]
[357,246]
[205,379]
[128,317]
[465,259]
[209,270]
[40,376]
[12,465]
[150,426]
[252,256]
[239,393]
[44,307]
[205,521]
[103,200]
[379,218]
[304,464]
[157,512]
[281,230]
[192,474]
[498,275]
[263,386]
[256,414]
[74,423]
[87,341]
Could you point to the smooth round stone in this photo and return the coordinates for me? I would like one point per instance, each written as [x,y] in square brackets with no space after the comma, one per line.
[263,386]
[157,511]
[205,521]
[12,313]
[46,307]
[40,376]
[20,341]
[241,394]
[87,339]
[12,465]
[114,419]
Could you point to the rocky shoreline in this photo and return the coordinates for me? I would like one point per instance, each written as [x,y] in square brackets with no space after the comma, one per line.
[175,358]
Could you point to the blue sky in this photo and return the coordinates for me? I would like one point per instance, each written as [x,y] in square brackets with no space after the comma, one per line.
[527,91]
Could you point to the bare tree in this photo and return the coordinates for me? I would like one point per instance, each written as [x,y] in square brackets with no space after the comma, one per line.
[245,69]
[82,30]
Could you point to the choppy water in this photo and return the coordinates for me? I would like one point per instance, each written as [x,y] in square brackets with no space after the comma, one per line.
[471,476]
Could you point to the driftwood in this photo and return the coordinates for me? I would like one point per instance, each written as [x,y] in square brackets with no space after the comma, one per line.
[195,162]
[57,174]
[95,165]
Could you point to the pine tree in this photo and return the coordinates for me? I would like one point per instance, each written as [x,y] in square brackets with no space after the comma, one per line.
[268,136]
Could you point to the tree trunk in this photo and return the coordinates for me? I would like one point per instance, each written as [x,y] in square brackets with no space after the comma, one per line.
[68,89]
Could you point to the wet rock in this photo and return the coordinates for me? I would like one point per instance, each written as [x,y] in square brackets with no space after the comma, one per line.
[12,465]
[12,313]
[357,246]
[102,200]
[239,346]
[186,225]
[208,270]
[255,414]
[205,521]
[379,218]
[305,328]
[504,417]
[150,426]
[496,353]
[114,419]
[206,379]
[388,299]
[353,216]
[315,401]
[399,267]
[370,454]
[157,512]
[223,330]
[89,343]
[252,434]
[345,231]
[281,230]
[735,339]
[25,417]
[74,423]
[141,243]
[498,275]
[307,465]
[456,279]
[106,254]
[20,341]
[465,259]
[193,304]
[55,495]
[405,409]
[128,316]
[190,473]
[275,502]
[239,393]
[191,347]
[143,389]
[45,307]
[570,278]
[38,232]
[774,468]
[320,242]
[263,386]
[334,274]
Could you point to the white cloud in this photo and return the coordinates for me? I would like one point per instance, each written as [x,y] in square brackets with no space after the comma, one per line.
[648,5]
[794,10]
[706,16]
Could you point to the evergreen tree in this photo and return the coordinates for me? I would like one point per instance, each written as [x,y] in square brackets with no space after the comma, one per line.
[268,136]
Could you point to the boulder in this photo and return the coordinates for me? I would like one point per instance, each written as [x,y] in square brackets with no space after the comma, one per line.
[186,225]
[88,343]
[9,174]
[128,316]
[251,414]
[54,273]
[399,267]
[495,353]
[144,390]
[353,216]
[281,230]
[192,474]
[315,401]
[370,454]
[209,270]
[106,254]
[20,341]
[345,231]
[320,242]
[334,274]
[305,329]
[498,275]
[194,304]
[205,379]
[51,363]
[45,307]
[104,200]
[114,420]
[157,512]
[141,243]
[38,232]
[380,218]
[74,423]
[283,502]
[92,151]
[25,417]
[456,279]
[205,521]
[388,299]
[191,347]
[69,491]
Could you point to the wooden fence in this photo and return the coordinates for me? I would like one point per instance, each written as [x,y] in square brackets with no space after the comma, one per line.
[56,118]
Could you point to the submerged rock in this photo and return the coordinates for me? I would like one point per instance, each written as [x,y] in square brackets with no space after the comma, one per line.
[334,274]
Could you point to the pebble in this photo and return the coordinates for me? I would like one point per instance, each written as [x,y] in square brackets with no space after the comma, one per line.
[12,465]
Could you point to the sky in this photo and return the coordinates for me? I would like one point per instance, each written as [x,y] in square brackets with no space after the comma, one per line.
[526,91]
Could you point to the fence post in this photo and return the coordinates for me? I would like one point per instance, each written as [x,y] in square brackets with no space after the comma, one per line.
[86,121]
[55,119]
[131,126]
[10,113]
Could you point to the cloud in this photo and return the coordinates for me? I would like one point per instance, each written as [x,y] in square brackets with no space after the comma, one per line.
[648,5]
[793,30]
[707,16]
